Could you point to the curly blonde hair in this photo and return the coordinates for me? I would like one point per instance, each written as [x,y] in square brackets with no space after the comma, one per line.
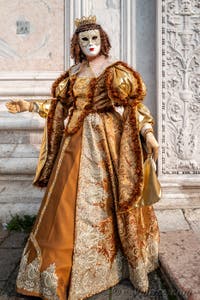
[76,52]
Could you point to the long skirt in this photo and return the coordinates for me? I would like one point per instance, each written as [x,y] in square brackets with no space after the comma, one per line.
[74,250]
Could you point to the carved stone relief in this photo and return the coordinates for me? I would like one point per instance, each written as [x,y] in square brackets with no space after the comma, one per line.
[180,87]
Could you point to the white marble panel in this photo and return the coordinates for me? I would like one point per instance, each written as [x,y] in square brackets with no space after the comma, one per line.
[117,17]
[178,43]
[32,35]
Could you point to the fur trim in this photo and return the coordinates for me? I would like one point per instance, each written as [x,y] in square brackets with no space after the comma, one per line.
[137,152]
[53,143]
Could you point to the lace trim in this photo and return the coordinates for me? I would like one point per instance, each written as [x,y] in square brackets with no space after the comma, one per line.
[30,279]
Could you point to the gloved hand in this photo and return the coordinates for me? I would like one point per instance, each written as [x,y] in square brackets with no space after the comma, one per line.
[17,106]
[152,145]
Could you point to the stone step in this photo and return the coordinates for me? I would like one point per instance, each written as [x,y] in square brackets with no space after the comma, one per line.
[18,165]
[19,150]
[179,199]
[171,220]
[17,195]
[19,190]
[9,210]
[20,136]
[179,257]
[180,193]
[21,121]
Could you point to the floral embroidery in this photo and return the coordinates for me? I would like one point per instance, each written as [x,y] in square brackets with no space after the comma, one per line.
[108,245]
[140,243]
[30,279]
[95,266]
[97,261]
[27,278]
[49,282]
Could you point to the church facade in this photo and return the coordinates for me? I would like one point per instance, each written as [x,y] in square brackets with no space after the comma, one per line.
[160,39]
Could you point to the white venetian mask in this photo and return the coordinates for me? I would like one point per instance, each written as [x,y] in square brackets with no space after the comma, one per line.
[90,42]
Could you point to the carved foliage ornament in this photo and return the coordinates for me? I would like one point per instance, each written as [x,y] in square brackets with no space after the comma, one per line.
[181,86]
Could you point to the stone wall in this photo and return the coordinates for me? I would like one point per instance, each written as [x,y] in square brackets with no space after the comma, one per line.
[32,55]
[34,50]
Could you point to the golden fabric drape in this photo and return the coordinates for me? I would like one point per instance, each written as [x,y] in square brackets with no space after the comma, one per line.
[53,232]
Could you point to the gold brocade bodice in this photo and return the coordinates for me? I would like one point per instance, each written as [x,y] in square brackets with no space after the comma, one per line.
[90,96]
[80,90]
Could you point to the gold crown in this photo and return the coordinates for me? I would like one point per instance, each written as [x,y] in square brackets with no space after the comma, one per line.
[85,20]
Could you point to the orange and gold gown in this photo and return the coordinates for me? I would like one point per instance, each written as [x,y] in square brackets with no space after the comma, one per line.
[91,230]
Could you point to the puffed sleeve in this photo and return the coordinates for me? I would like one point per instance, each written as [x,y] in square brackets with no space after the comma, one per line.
[127,88]
[125,85]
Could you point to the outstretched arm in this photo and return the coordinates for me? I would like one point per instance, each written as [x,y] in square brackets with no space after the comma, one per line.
[39,106]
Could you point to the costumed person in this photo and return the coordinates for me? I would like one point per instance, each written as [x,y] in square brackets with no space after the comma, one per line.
[93,228]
